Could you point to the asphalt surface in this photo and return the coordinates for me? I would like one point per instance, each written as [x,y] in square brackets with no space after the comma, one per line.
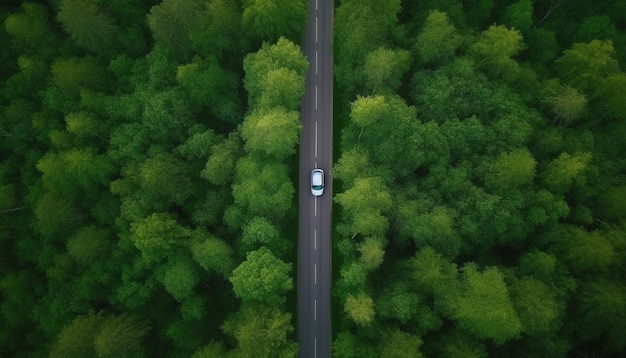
[316,150]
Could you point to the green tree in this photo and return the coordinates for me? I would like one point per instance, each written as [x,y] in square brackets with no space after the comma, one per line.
[399,344]
[83,125]
[164,179]
[180,276]
[218,30]
[519,15]
[199,144]
[398,302]
[362,27]
[263,188]
[436,276]
[73,74]
[386,127]
[55,214]
[610,97]
[363,207]
[77,338]
[584,252]
[212,254]
[372,253]
[220,167]
[604,313]
[511,170]
[88,26]
[347,345]
[460,345]
[566,170]
[360,309]
[259,232]
[271,19]
[120,336]
[283,87]
[171,21]
[612,204]
[537,307]
[585,65]
[273,132]
[8,199]
[384,69]
[261,331]
[262,277]
[30,29]
[76,172]
[434,227]
[18,289]
[494,49]
[211,350]
[89,244]
[595,28]
[567,106]
[485,307]
[438,40]
[353,277]
[157,235]
[257,66]
[166,116]
[351,165]
[211,87]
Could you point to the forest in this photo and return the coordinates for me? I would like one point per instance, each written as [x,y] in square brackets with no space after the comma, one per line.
[480,178]
[141,143]
[481,175]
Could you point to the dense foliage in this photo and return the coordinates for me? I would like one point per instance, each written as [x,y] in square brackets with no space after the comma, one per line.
[141,143]
[147,203]
[481,178]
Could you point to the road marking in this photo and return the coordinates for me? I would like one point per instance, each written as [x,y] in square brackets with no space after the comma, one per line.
[315,4]
[316,140]
[316,274]
[315,236]
[316,206]
[315,97]
[315,309]
[316,30]
[316,62]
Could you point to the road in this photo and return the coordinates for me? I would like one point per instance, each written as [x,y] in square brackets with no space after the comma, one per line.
[316,151]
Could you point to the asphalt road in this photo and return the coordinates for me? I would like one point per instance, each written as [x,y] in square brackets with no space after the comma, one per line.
[316,150]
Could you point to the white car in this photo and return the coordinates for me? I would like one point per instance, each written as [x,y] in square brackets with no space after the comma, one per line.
[317,182]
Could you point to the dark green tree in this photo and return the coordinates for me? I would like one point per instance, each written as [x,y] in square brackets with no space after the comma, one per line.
[30,29]
[157,235]
[212,254]
[120,336]
[584,66]
[88,26]
[261,331]
[271,19]
[171,22]
[77,338]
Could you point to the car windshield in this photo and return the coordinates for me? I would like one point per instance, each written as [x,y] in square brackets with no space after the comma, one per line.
[317,187]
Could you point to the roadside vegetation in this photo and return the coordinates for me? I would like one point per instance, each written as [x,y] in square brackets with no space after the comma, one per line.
[481,179]
[147,153]
[146,201]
